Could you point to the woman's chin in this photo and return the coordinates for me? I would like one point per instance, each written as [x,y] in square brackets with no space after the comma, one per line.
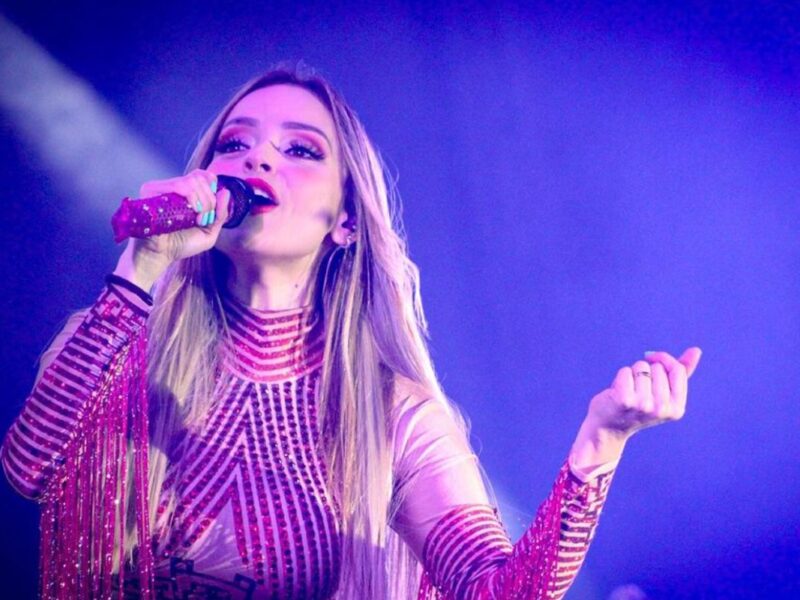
[257,252]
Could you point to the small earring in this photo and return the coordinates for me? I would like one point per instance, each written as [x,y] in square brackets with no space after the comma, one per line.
[351,238]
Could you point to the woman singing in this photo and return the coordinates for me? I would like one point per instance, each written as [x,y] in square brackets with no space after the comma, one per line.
[268,424]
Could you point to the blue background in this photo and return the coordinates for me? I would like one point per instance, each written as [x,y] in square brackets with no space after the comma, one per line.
[581,183]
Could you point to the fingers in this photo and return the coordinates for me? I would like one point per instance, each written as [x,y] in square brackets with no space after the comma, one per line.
[652,389]
[642,383]
[665,358]
[203,187]
[649,392]
[662,397]
[690,359]
[624,385]
[198,187]
[678,372]
[223,197]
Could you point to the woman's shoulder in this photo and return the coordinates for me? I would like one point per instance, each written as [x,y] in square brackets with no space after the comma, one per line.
[426,428]
[416,401]
[60,339]
[405,388]
[408,394]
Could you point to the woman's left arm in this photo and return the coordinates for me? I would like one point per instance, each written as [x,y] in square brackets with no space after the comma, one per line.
[445,514]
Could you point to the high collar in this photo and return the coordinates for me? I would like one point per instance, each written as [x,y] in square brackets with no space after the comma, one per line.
[271,345]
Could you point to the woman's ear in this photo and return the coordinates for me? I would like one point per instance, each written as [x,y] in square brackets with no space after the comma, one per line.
[344,232]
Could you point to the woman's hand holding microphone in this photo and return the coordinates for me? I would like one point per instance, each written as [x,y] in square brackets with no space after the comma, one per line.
[145,259]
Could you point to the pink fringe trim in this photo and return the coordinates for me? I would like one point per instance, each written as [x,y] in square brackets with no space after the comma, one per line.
[85,506]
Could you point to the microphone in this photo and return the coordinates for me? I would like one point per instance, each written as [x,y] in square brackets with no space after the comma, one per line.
[165,213]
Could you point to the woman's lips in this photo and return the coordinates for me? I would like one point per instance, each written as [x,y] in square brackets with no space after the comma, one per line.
[265,189]
[257,209]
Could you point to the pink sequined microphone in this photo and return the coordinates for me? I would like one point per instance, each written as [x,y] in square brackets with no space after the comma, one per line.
[165,213]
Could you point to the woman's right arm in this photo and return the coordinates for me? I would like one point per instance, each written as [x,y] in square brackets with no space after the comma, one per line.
[83,355]
[70,370]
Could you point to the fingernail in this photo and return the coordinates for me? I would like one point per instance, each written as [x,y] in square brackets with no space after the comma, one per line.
[214,186]
[213,216]
[649,352]
[199,206]
[205,219]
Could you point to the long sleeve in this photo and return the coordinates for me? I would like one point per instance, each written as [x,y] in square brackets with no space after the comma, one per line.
[71,369]
[445,516]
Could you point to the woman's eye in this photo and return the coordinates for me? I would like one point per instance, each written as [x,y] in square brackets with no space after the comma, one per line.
[303,150]
[230,145]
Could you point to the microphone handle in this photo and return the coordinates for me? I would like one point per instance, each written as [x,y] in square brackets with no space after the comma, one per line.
[165,213]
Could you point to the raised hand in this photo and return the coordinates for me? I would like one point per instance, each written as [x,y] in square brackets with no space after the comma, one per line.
[648,393]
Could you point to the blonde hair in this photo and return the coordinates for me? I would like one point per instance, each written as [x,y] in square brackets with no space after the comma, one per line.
[375,331]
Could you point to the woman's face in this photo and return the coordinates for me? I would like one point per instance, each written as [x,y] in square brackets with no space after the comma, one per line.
[282,140]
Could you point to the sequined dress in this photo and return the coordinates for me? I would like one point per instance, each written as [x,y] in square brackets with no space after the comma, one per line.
[253,518]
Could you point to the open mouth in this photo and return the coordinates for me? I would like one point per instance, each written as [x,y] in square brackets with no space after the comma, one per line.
[260,197]
[263,194]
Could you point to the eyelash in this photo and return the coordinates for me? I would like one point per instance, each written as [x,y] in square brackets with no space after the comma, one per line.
[234,144]
[309,149]
[226,146]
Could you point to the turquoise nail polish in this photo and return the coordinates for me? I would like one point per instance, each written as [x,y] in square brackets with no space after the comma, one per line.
[213,216]
[214,186]
[206,216]
[199,206]
[649,352]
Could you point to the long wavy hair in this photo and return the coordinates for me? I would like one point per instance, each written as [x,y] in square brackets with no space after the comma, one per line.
[375,331]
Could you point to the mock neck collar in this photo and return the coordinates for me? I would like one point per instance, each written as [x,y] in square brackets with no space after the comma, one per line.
[271,345]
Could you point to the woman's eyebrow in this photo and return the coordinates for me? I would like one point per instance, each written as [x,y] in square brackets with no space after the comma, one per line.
[306,127]
[251,122]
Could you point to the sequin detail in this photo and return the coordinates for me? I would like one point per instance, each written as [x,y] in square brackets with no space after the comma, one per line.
[468,555]
[254,518]
[69,448]
[271,346]
[253,472]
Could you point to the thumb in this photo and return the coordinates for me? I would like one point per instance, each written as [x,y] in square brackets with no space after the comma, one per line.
[690,358]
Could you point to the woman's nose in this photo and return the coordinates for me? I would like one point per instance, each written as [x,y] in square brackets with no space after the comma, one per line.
[260,157]
[253,164]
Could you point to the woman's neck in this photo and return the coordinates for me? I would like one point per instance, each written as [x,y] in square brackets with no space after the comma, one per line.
[272,286]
